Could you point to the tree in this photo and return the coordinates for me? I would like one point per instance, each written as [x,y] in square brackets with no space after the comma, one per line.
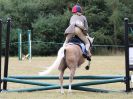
[48,20]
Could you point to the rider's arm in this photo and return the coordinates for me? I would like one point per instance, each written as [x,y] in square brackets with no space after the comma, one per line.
[86,23]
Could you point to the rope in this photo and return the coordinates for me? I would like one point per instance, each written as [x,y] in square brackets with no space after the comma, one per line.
[26,42]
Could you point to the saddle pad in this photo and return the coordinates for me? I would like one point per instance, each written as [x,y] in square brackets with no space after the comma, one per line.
[76,40]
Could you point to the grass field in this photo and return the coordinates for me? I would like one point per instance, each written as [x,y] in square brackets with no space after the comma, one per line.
[100,65]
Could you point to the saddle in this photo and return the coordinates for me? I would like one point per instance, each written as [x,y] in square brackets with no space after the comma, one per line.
[76,40]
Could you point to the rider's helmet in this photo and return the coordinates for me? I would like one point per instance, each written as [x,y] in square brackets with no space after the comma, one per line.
[77,8]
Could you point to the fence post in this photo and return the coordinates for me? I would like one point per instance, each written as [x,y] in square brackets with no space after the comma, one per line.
[7,52]
[29,45]
[19,44]
[0,50]
[127,56]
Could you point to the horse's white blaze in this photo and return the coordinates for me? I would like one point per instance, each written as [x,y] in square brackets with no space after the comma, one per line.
[55,64]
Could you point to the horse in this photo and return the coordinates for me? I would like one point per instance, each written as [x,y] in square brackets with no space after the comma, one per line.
[69,56]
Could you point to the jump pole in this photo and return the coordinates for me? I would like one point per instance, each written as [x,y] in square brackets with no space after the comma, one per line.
[0,50]
[7,52]
[29,44]
[26,82]
[19,44]
[52,77]
[74,86]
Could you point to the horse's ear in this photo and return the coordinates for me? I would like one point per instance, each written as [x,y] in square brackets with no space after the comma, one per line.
[90,38]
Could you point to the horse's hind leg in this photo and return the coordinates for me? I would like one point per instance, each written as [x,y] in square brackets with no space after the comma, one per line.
[62,68]
[61,80]
[72,73]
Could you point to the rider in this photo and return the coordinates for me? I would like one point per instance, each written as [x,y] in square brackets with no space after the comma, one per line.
[79,27]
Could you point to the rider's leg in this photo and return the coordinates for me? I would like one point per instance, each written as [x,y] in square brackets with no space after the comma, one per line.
[82,36]
[68,37]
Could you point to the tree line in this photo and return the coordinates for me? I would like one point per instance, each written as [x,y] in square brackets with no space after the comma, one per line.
[48,20]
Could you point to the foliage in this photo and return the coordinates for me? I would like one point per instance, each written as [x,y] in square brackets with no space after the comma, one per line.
[48,20]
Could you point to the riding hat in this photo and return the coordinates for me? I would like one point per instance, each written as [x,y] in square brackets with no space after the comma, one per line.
[76,9]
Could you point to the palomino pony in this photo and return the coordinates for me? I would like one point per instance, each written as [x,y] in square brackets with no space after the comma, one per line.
[71,57]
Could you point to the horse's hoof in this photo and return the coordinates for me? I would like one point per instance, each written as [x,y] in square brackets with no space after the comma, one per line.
[87,67]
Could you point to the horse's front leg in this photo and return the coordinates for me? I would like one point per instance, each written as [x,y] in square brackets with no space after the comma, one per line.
[72,73]
[61,81]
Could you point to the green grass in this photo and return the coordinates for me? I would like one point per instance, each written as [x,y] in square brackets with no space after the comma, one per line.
[57,95]
[100,65]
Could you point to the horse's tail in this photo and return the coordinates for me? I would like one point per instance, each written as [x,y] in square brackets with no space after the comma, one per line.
[56,62]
